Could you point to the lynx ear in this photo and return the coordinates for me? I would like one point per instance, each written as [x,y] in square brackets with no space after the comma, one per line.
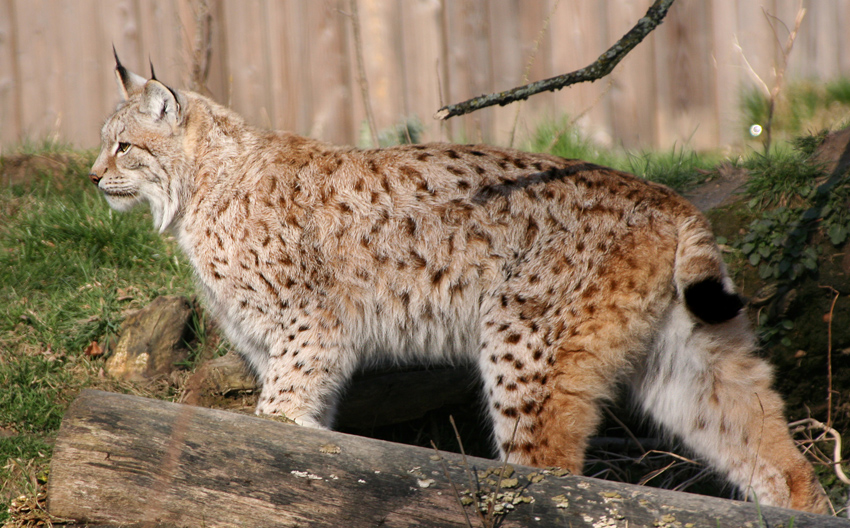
[161,102]
[129,84]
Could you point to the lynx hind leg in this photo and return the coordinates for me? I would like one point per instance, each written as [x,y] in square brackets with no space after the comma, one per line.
[703,384]
[545,381]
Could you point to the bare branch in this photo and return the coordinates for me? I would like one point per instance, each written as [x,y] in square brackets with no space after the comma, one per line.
[597,70]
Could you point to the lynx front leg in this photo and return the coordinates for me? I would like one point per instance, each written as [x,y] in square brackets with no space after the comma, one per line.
[704,384]
[303,379]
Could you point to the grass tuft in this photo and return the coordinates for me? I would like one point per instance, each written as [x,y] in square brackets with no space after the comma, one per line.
[678,168]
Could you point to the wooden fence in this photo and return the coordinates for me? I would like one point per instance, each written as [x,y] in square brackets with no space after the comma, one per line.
[291,64]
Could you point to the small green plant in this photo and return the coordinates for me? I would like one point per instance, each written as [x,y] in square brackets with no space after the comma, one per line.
[802,105]
[783,176]
[795,213]
[407,132]
[777,244]
[562,138]
[678,168]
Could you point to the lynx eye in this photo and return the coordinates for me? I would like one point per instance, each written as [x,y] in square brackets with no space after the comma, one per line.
[123,147]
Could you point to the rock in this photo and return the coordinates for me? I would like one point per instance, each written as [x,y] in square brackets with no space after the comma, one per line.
[834,152]
[218,378]
[228,373]
[721,190]
[152,340]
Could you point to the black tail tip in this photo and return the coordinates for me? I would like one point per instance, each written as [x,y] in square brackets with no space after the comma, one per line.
[711,303]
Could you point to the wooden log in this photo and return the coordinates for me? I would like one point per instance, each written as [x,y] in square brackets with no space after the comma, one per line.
[122,459]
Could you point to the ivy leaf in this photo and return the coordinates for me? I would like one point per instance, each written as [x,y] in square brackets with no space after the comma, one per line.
[837,234]
[746,249]
[755,258]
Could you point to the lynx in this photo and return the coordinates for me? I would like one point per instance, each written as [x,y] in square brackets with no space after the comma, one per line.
[561,280]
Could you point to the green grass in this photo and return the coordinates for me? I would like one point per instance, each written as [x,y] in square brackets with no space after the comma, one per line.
[782,176]
[69,269]
[679,168]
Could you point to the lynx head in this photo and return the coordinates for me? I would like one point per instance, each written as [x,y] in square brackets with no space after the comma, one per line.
[142,158]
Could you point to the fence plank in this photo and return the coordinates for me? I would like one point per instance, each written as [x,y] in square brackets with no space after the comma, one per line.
[685,87]
[633,95]
[291,64]
[11,106]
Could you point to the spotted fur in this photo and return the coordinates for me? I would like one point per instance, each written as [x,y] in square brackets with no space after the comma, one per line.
[560,279]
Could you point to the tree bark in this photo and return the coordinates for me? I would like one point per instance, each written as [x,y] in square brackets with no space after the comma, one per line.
[128,460]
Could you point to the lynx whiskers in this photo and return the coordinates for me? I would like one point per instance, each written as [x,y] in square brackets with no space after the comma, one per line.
[559,279]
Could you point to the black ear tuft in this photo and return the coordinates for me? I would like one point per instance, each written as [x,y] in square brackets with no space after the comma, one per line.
[123,73]
[710,302]
[153,75]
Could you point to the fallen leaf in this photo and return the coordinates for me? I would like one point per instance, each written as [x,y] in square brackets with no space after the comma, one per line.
[93,350]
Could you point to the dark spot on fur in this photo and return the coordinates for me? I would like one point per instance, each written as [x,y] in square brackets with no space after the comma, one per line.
[513,339]
[510,412]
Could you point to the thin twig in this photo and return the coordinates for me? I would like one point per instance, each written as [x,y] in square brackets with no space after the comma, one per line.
[829,356]
[473,488]
[780,73]
[651,475]
[756,77]
[361,72]
[811,423]
[597,70]
[758,447]
[494,493]
[451,482]
[531,58]
[625,428]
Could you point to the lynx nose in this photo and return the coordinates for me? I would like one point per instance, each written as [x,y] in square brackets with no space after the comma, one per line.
[95,179]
